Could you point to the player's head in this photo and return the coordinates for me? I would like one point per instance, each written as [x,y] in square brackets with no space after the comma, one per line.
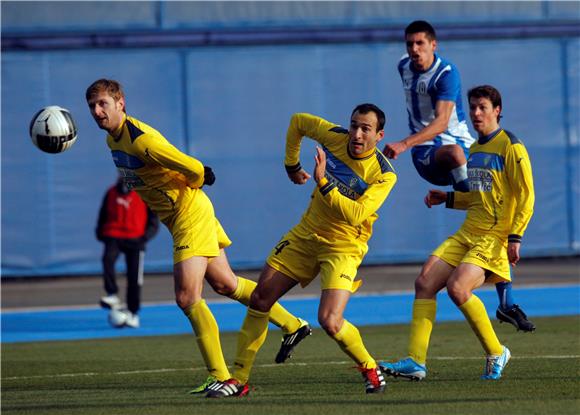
[421,26]
[421,43]
[367,123]
[484,108]
[106,101]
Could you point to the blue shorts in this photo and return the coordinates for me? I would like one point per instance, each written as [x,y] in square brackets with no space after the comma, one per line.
[424,161]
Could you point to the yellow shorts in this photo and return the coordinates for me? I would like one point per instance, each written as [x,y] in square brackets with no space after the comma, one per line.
[303,258]
[486,251]
[195,230]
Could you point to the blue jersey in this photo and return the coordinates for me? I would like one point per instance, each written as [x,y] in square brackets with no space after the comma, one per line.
[422,91]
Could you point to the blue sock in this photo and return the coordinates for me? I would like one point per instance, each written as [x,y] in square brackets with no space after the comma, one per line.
[504,292]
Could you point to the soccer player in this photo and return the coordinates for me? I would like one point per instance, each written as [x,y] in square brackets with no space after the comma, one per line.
[499,206]
[439,139]
[170,182]
[353,180]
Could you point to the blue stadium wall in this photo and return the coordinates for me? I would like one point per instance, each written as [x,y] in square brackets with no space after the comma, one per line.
[221,80]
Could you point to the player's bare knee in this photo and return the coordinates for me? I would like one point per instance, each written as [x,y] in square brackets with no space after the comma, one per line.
[450,156]
[330,324]
[457,292]
[259,301]
[423,285]
[223,287]
[183,299]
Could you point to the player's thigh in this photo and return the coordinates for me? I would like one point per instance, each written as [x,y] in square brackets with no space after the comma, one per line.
[220,275]
[332,305]
[450,156]
[433,277]
[272,285]
[425,164]
[463,280]
[188,278]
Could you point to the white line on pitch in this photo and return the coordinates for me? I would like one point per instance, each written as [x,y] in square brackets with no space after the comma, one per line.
[269,365]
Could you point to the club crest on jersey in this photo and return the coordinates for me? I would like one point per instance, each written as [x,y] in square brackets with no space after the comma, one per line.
[422,87]
[347,182]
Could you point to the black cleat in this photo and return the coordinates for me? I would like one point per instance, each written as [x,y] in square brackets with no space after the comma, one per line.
[290,341]
[516,317]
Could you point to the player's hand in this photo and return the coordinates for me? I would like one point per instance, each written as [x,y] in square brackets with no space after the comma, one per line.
[435,197]
[392,150]
[320,167]
[208,176]
[299,177]
[513,253]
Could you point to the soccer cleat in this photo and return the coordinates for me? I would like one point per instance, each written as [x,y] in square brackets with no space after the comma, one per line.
[494,365]
[516,317]
[290,341]
[374,380]
[205,386]
[110,301]
[405,368]
[227,389]
[132,320]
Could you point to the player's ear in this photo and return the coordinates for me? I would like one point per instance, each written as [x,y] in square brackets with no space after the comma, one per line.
[380,135]
[121,102]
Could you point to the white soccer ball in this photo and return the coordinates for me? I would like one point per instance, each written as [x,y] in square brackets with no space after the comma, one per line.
[53,129]
[118,318]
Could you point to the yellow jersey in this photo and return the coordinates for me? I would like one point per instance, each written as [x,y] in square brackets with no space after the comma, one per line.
[501,187]
[161,174]
[344,204]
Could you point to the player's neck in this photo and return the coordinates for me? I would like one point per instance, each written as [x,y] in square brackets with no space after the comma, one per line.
[115,132]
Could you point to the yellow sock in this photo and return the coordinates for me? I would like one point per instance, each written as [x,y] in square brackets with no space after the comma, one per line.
[251,337]
[350,341]
[421,326]
[208,339]
[278,314]
[474,311]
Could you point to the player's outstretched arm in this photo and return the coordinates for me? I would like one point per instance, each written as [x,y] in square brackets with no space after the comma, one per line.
[443,110]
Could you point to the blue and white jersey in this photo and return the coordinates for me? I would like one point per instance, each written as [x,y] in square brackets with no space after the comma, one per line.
[422,91]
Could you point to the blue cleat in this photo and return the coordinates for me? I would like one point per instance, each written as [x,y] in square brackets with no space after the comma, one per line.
[495,364]
[406,368]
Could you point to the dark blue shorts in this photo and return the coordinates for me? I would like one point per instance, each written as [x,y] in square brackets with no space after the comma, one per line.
[424,161]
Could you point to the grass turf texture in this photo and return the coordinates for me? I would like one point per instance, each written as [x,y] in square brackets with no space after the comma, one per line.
[152,375]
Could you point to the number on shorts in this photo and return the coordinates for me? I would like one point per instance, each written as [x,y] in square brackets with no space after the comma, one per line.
[280,246]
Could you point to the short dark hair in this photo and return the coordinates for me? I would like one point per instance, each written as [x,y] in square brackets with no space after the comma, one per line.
[421,26]
[489,92]
[366,108]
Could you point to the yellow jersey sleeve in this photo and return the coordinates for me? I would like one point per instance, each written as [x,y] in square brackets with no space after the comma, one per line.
[520,178]
[302,124]
[458,200]
[162,152]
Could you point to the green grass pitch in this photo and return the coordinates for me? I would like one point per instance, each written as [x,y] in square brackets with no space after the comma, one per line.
[152,375]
